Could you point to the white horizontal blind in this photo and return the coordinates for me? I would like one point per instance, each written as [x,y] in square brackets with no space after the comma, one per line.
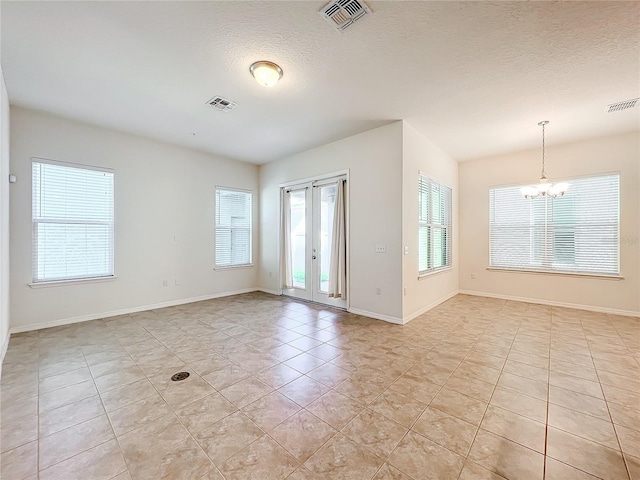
[233,227]
[575,233]
[434,225]
[72,222]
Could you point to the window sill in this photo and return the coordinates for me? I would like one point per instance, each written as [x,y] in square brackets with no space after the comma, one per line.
[424,276]
[233,267]
[602,276]
[77,281]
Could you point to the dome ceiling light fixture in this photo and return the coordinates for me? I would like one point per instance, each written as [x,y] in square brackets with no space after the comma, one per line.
[266,73]
[544,187]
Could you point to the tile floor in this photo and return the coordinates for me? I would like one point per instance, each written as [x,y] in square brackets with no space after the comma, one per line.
[475,389]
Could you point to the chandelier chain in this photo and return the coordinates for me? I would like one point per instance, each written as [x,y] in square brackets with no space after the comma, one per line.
[543,174]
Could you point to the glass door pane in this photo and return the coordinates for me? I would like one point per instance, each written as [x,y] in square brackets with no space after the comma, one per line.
[298,219]
[327,196]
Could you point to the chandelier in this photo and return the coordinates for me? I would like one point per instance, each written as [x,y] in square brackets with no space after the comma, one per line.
[544,187]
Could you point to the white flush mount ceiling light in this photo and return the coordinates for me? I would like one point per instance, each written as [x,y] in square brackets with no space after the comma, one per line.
[544,187]
[266,73]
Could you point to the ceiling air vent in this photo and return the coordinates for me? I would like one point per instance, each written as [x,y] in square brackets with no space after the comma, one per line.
[616,107]
[344,13]
[222,104]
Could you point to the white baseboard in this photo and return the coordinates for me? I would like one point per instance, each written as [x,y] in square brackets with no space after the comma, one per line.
[271,292]
[125,311]
[413,315]
[612,311]
[377,316]
[3,352]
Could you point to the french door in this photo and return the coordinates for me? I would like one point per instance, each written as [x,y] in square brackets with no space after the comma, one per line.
[309,211]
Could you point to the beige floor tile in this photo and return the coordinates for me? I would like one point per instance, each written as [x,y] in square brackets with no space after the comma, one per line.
[588,372]
[181,393]
[524,405]
[398,407]
[111,366]
[19,463]
[163,449]
[583,425]
[128,394]
[54,382]
[303,390]
[470,387]
[633,464]
[302,434]
[278,375]
[137,414]
[246,391]
[64,396]
[416,387]
[335,409]
[421,458]
[446,430]
[71,441]
[206,411]
[303,473]
[270,410]
[460,406]
[555,470]
[506,458]
[53,421]
[629,440]
[576,384]
[620,396]
[375,432]
[225,377]
[585,455]
[98,463]
[515,427]
[626,416]
[343,459]
[387,472]
[16,433]
[263,459]
[16,409]
[473,471]
[579,402]
[227,436]
[304,362]
[329,374]
[523,385]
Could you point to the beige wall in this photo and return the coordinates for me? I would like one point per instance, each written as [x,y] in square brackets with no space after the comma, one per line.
[619,153]
[162,193]
[4,218]
[374,161]
[420,154]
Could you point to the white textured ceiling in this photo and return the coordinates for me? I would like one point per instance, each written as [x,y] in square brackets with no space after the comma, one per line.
[474,77]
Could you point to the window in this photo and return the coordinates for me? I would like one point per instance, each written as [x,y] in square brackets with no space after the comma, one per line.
[72,221]
[434,226]
[233,227]
[575,233]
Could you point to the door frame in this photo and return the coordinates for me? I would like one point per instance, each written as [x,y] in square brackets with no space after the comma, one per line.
[311,180]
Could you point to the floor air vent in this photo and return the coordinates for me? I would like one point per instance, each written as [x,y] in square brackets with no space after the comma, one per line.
[222,104]
[344,13]
[616,107]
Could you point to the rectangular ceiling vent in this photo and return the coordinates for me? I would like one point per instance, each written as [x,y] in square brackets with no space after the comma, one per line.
[616,107]
[344,13]
[222,104]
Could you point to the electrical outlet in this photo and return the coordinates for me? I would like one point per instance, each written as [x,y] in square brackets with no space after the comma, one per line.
[178,281]
[405,290]
[165,283]
[406,250]
[270,274]
[378,291]
[473,276]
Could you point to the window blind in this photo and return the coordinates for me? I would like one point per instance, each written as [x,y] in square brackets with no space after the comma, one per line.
[233,228]
[575,233]
[72,221]
[434,225]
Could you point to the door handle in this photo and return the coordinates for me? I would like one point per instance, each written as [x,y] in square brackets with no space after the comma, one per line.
[313,257]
